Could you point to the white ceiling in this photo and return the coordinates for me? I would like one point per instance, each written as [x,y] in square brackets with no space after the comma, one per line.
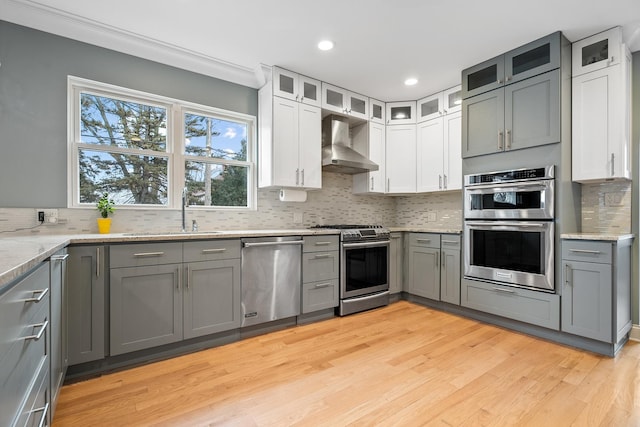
[378,43]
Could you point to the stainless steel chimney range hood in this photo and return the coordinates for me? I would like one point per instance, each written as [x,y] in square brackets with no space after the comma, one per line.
[337,154]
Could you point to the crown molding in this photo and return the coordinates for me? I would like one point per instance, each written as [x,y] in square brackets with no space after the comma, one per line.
[30,13]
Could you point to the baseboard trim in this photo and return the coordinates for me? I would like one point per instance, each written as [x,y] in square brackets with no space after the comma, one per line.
[635,333]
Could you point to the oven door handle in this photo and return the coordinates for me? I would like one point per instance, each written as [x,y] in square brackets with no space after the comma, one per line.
[517,224]
[502,187]
[365,244]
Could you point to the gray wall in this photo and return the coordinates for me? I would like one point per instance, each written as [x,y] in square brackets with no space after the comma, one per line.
[33,105]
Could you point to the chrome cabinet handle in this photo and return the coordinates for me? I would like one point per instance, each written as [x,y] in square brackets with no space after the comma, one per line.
[297,176]
[449,242]
[60,257]
[500,81]
[214,251]
[322,285]
[286,242]
[42,326]
[42,293]
[613,170]
[437,259]
[423,240]
[567,270]
[443,261]
[440,182]
[500,141]
[97,262]
[45,411]
[388,184]
[508,78]
[585,251]
[322,243]
[186,285]
[302,173]
[505,291]
[508,139]
[320,256]
[179,284]
[444,186]
[148,254]
[371,183]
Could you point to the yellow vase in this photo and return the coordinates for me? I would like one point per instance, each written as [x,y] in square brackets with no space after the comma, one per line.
[104,225]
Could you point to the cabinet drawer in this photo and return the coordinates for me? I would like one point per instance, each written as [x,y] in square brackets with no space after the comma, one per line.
[587,250]
[319,295]
[25,358]
[537,308]
[211,250]
[37,406]
[320,243]
[425,240]
[450,241]
[145,254]
[19,306]
[319,266]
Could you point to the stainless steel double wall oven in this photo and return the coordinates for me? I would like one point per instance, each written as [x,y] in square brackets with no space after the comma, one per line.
[509,227]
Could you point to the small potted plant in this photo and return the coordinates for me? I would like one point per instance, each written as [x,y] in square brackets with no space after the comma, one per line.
[106,206]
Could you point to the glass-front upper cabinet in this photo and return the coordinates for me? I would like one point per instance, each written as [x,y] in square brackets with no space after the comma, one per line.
[294,86]
[377,111]
[534,58]
[596,52]
[439,104]
[401,113]
[342,101]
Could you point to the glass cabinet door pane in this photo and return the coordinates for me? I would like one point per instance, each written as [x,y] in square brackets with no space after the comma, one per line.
[531,59]
[310,91]
[595,52]
[335,98]
[429,107]
[287,84]
[482,77]
[376,111]
[401,113]
[358,105]
[454,100]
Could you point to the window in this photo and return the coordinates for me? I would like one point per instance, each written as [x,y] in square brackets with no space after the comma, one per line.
[144,149]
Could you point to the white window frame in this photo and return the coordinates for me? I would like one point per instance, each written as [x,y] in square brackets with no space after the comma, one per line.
[175,148]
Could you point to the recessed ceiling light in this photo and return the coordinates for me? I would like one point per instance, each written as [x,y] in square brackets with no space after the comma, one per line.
[325,45]
[411,81]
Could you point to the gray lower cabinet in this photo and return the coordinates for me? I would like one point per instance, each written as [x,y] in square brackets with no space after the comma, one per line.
[396,251]
[58,309]
[156,298]
[320,272]
[25,336]
[434,266]
[85,298]
[596,291]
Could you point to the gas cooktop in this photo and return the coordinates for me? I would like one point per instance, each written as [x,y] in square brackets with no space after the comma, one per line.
[358,232]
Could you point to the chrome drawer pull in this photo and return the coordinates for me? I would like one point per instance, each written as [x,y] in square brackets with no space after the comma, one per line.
[585,251]
[148,254]
[450,242]
[322,243]
[42,293]
[36,337]
[423,240]
[322,285]
[59,257]
[213,251]
[319,256]
[506,291]
[45,411]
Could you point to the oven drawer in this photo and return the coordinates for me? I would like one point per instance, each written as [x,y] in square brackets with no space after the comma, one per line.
[137,255]
[425,240]
[324,243]
[587,250]
[319,266]
[537,308]
[319,295]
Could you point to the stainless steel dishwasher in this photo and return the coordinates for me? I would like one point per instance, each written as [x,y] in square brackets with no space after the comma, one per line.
[271,278]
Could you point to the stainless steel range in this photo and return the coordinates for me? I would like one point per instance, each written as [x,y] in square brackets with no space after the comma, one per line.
[364,267]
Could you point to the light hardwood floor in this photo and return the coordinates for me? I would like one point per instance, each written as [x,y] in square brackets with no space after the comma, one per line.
[400,365]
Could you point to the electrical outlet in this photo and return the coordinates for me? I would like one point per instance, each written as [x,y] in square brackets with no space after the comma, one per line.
[297,217]
[49,216]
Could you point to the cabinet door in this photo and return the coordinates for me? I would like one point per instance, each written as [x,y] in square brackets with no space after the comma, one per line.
[309,91]
[430,107]
[429,155]
[424,272]
[396,248]
[285,83]
[358,105]
[452,99]
[285,143]
[377,145]
[85,304]
[211,297]
[486,76]
[334,98]
[450,276]
[596,52]
[377,113]
[483,124]
[399,165]
[319,266]
[452,148]
[532,111]
[310,147]
[401,113]
[587,300]
[537,57]
[58,321]
[146,307]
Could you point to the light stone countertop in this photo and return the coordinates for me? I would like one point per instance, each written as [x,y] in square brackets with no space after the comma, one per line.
[595,236]
[426,230]
[18,255]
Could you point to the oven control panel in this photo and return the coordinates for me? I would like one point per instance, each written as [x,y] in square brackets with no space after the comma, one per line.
[359,235]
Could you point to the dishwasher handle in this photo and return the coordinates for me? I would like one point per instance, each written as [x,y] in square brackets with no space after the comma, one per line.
[261,244]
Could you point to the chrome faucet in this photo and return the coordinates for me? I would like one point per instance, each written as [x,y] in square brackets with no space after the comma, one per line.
[184,205]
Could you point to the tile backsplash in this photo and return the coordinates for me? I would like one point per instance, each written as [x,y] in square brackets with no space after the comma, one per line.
[606,208]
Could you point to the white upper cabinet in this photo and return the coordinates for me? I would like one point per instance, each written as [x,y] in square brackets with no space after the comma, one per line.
[401,113]
[439,104]
[596,52]
[377,112]
[344,102]
[296,87]
[601,113]
[400,163]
